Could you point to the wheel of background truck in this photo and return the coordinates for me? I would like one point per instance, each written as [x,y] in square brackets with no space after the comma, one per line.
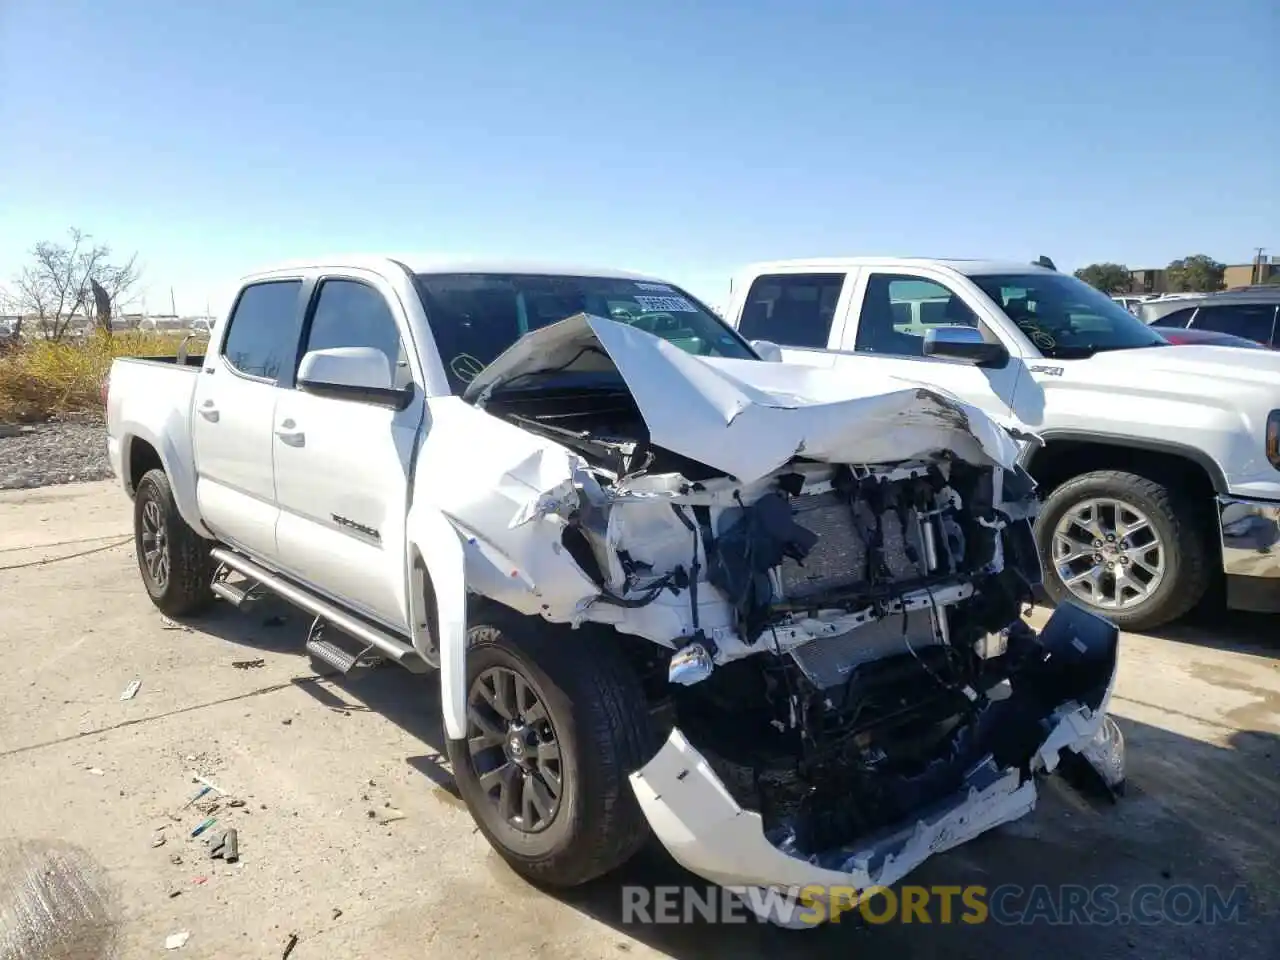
[555,725]
[173,559]
[1127,547]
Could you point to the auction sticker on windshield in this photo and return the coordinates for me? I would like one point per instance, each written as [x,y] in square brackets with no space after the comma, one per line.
[666,305]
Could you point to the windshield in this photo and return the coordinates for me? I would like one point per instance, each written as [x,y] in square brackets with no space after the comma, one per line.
[475,317]
[1065,317]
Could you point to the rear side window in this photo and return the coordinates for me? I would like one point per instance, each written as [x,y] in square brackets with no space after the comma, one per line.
[353,314]
[1253,321]
[262,334]
[793,310]
[1179,318]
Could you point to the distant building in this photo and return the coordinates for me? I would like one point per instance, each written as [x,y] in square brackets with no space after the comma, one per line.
[1262,270]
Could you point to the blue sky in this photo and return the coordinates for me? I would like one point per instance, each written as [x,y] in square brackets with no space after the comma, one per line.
[677,138]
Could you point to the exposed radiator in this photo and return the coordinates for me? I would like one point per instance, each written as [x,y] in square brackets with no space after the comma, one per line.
[828,661]
[839,559]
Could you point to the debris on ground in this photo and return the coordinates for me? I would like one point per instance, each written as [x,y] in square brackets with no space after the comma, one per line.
[196,778]
[235,803]
[288,947]
[391,816]
[96,771]
[199,880]
[287,720]
[169,624]
[176,859]
[227,848]
[174,893]
[157,840]
[176,940]
[336,913]
[248,664]
[131,690]
[202,792]
[203,827]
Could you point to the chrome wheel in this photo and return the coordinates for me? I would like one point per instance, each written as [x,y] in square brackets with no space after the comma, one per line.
[155,544]
[1108,554]
[514,749]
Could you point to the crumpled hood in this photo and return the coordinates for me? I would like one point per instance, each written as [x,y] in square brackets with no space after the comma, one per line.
[749,417]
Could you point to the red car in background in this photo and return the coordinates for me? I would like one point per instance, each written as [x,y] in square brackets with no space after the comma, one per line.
[1233,318]
[1208,338]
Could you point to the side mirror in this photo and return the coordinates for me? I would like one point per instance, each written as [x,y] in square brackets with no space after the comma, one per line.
[362,374]
[964,343]
[768,350]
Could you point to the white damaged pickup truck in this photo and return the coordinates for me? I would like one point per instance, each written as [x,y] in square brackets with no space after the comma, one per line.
[768,613]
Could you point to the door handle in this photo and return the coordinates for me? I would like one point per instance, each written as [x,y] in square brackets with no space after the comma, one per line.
[209,411]
[289,433]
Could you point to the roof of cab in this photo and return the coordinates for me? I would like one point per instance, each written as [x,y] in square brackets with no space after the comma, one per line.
[437,263]
[967,267]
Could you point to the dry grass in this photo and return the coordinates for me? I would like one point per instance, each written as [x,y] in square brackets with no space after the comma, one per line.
[41,378]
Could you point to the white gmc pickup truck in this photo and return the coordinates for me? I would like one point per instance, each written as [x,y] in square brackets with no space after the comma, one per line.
[1159,466]
[771,615]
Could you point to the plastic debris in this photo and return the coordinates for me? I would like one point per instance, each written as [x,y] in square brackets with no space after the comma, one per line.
[199,880]
[169,624]
[157,840]
[196,778]
[289,945]
[96,771]
[235,803]
[391,816]
[203,791]
[131,690]
[248,664]
[175,941]
[203,827]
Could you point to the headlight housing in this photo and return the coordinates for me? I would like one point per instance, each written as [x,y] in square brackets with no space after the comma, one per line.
[1273,438]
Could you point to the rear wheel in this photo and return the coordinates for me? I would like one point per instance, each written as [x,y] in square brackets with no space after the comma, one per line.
[173,559]
[555,725]
[1129,548]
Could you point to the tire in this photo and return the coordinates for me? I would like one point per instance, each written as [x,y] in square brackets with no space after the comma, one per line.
[600,722]
[183,586]
[1173,519]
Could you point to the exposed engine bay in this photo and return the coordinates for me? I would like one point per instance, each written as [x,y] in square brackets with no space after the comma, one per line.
[832,590]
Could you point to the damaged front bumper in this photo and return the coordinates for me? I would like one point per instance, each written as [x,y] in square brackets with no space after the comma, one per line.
[709,833]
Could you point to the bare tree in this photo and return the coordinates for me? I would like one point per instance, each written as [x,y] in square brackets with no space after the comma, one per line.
[58,284]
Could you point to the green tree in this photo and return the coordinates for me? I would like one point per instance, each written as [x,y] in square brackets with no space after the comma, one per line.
[1195,274]
[1107,277]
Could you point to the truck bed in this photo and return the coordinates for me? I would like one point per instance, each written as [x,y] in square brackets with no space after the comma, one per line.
[150,399]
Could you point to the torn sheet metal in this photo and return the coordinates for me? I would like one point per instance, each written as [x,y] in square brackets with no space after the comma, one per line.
[708,833]
[748,417]
[1058,702]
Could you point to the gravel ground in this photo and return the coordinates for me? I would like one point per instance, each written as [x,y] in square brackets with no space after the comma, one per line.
[64,450]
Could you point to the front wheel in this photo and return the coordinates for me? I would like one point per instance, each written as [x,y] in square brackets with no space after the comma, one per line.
[1131,549]
[173,559]
[555,725]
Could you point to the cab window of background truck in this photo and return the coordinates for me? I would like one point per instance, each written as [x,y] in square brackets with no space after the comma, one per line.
[898,309]
[792,309]
[260,336]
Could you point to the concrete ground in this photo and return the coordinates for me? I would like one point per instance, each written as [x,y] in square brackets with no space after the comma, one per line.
[352,840]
